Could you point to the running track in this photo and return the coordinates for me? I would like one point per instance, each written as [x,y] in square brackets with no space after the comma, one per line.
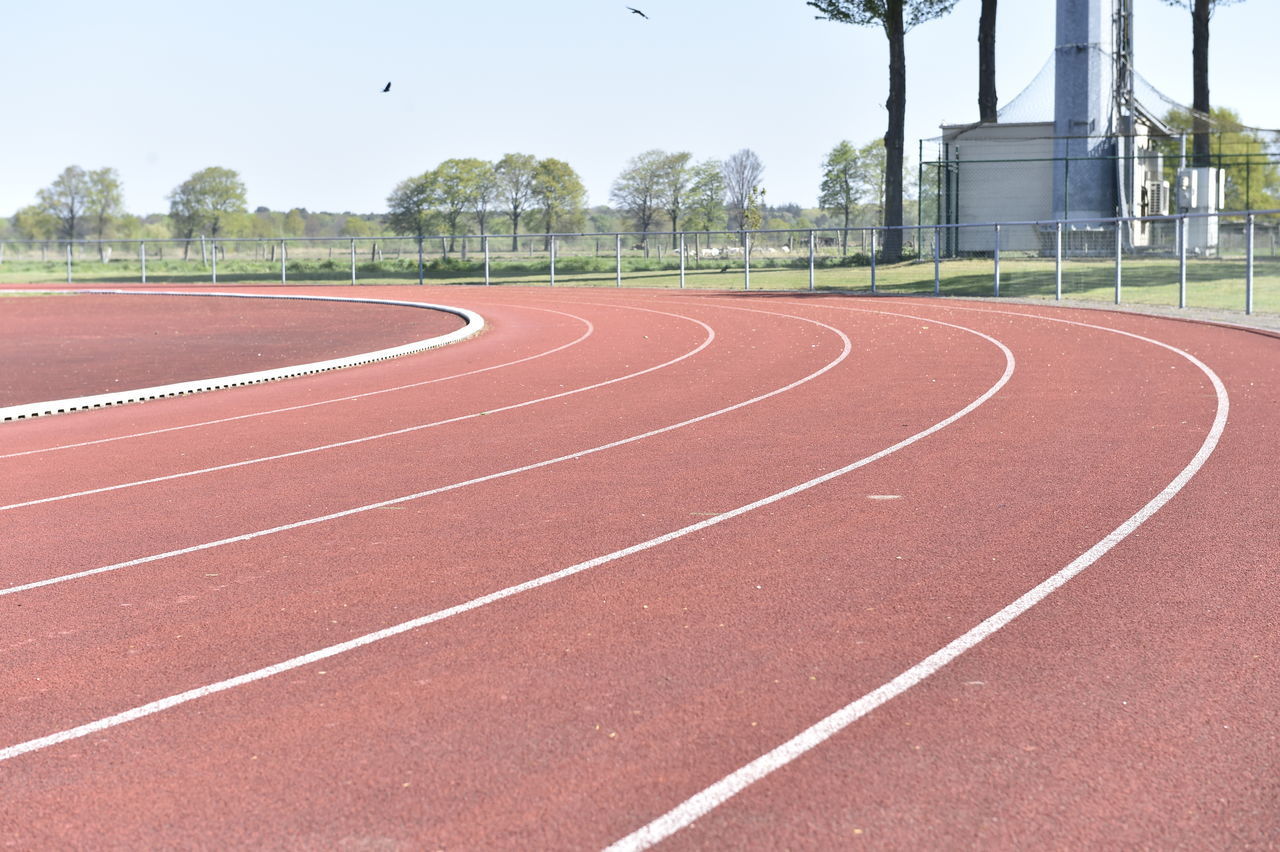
[662,567]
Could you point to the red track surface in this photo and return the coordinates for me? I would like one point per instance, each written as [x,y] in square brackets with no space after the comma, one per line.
[1136,706]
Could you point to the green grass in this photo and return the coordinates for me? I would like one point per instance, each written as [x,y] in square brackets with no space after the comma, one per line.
[1211,283]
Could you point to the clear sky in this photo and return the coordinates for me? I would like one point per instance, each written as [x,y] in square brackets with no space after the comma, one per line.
[290,96]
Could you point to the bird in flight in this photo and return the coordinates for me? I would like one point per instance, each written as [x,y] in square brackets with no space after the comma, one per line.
[387,88]
[638,12]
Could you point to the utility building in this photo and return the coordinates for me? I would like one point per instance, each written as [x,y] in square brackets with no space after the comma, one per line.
[1086,157]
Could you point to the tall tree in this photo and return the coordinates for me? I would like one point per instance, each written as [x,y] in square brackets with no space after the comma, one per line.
[104,202]
[987,63]
[675,186]
[205,199]
[1201,12]
[66,200]
[516,173]
[742,174]
[458,183]
[705,208]
[638,191]
[559,193]
[410,206]
[35,223]
[843,186]
[895,17]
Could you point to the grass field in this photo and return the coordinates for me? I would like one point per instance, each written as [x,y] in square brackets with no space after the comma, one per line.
[1211,283]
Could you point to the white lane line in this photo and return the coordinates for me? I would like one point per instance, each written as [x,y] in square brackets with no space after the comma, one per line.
[474,324]
[590,330]
[710,336]
[163,704]
[700,804]
[847,348]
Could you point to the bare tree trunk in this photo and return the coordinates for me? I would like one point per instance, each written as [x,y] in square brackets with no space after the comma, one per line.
[987,63]
[1200,155]
[893,138]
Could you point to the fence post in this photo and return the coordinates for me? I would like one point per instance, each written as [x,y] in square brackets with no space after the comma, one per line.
[485,241]
[353,262]
[873,259]
[1119,255]
[682,260]
[142,256]
[996,254]
[1182,261]
[1057,261]
[553,261]
[421,272]
[937,261]
[284,278]
[1248,264]
[746,260]
[810,260]
[68,262]
[213,245]
[617,259]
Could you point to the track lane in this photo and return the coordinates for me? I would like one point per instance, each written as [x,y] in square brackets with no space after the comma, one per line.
[546,722]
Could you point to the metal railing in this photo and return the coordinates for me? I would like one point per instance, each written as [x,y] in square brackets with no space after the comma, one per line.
[1223,257]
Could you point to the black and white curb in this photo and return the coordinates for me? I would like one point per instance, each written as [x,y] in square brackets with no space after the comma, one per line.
[475,323]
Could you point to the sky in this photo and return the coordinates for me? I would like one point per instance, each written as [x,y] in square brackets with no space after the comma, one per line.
[290,96]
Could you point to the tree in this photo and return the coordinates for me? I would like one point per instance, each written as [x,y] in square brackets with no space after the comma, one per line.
[103,202]
[295,223]
[742,173]
[484,194]
[675,184]
[843,186]
[458,185]
[895,17]
[515,174]
[987,63]
[639,190]
[66,200]
[1201,12]
[559,193]
[410,205]
[204,200]
[35,223]
[705,208]
[1253,176]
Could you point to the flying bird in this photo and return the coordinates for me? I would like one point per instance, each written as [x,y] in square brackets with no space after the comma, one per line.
[387,88]
[638,12]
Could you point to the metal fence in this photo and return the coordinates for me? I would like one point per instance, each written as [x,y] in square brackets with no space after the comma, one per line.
[1226,260]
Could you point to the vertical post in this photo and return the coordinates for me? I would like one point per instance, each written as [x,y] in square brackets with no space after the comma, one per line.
[617,259]
[421,271]
[1119,254]
[353,262]
[810,260]
[996,254]
[746,260]
[1057,261]
[873,259]
[553,260]
[68,262]
[142,257]
[937,261]
[213,244]
[1182,256]
[682,260]
[485,241]
[1248,264]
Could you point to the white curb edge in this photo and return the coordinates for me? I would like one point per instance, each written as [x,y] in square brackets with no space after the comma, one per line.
[475,323]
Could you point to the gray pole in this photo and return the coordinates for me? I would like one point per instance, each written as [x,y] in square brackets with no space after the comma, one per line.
[1057,262]
[1248,264]
[213,244]
[68,262]
[486,261]
[284,279]
[997,259]
[142,256]
[937,261]
[1119,253]
[1182,261]
[682,260]
[746,260]
[811,260]
[353,262]
[873,259]
[553,261]
[420,270]
[617,259]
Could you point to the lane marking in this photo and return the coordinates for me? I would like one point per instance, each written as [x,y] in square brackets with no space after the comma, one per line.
[163,704]
[474,325]
[710,336]
[702,803]
[847,348]
[590,330]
